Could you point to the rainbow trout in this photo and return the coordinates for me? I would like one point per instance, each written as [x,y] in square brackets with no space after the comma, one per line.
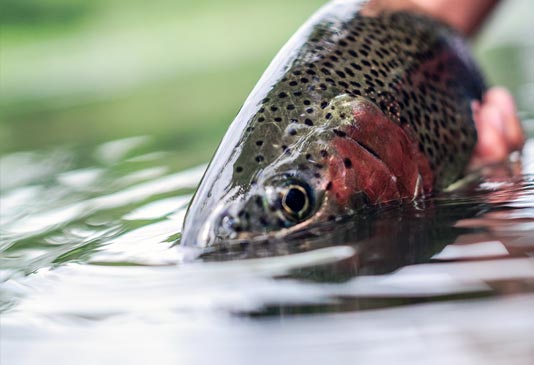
[354,111]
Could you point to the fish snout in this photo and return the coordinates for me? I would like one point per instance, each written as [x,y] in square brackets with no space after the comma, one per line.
[228,226]
[220,228]
[233,222]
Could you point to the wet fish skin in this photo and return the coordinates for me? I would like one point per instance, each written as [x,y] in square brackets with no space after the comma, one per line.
[354,111]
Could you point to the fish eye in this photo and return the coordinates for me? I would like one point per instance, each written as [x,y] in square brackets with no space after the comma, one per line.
[296,201]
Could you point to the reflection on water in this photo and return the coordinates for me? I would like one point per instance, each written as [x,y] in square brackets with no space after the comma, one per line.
[91,271]
[90,260]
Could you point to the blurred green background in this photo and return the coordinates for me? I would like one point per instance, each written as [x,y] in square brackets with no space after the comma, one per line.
[80,73]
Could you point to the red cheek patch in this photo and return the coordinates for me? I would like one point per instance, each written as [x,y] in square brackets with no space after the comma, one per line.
[354,169]
[384,162]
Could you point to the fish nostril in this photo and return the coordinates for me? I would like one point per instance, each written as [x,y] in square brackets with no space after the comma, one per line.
[225,229]
[229,227]
[230,223]
[227,221]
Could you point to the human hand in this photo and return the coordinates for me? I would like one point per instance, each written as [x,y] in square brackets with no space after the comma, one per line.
[499,129]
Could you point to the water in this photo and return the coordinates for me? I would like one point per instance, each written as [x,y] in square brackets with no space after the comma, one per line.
[92,272]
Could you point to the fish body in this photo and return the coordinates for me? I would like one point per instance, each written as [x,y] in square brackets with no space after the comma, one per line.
[353,112]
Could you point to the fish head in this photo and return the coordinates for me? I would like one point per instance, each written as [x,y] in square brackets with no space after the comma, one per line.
[285,198]
[307,179]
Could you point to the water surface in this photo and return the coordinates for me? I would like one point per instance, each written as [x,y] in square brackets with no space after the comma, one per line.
[92,271]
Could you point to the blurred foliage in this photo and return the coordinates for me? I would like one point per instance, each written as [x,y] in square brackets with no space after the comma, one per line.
[24,13]
[80,73]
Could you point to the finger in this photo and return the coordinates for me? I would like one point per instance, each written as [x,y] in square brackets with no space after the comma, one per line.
[504,101]
[492,144]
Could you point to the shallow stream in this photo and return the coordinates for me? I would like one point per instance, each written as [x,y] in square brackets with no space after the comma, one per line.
[92,271]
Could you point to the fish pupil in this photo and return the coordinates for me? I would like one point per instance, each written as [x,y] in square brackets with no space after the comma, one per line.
[295,200]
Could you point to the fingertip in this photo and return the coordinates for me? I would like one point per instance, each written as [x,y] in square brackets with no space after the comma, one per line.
[490,114]
[502,99]
[491,146]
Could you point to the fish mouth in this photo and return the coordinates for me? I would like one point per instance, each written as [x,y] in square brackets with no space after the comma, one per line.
[213,235]
[247,239]
[239,239]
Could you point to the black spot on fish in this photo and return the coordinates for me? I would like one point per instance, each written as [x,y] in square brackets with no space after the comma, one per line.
[347,162]
[340,133]
[370,57]
[330,81]
[259,201]
[356,66]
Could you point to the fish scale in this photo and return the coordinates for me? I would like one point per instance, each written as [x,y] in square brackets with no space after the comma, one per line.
[418,75]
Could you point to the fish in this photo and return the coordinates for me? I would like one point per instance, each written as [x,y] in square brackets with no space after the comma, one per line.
[355,111]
